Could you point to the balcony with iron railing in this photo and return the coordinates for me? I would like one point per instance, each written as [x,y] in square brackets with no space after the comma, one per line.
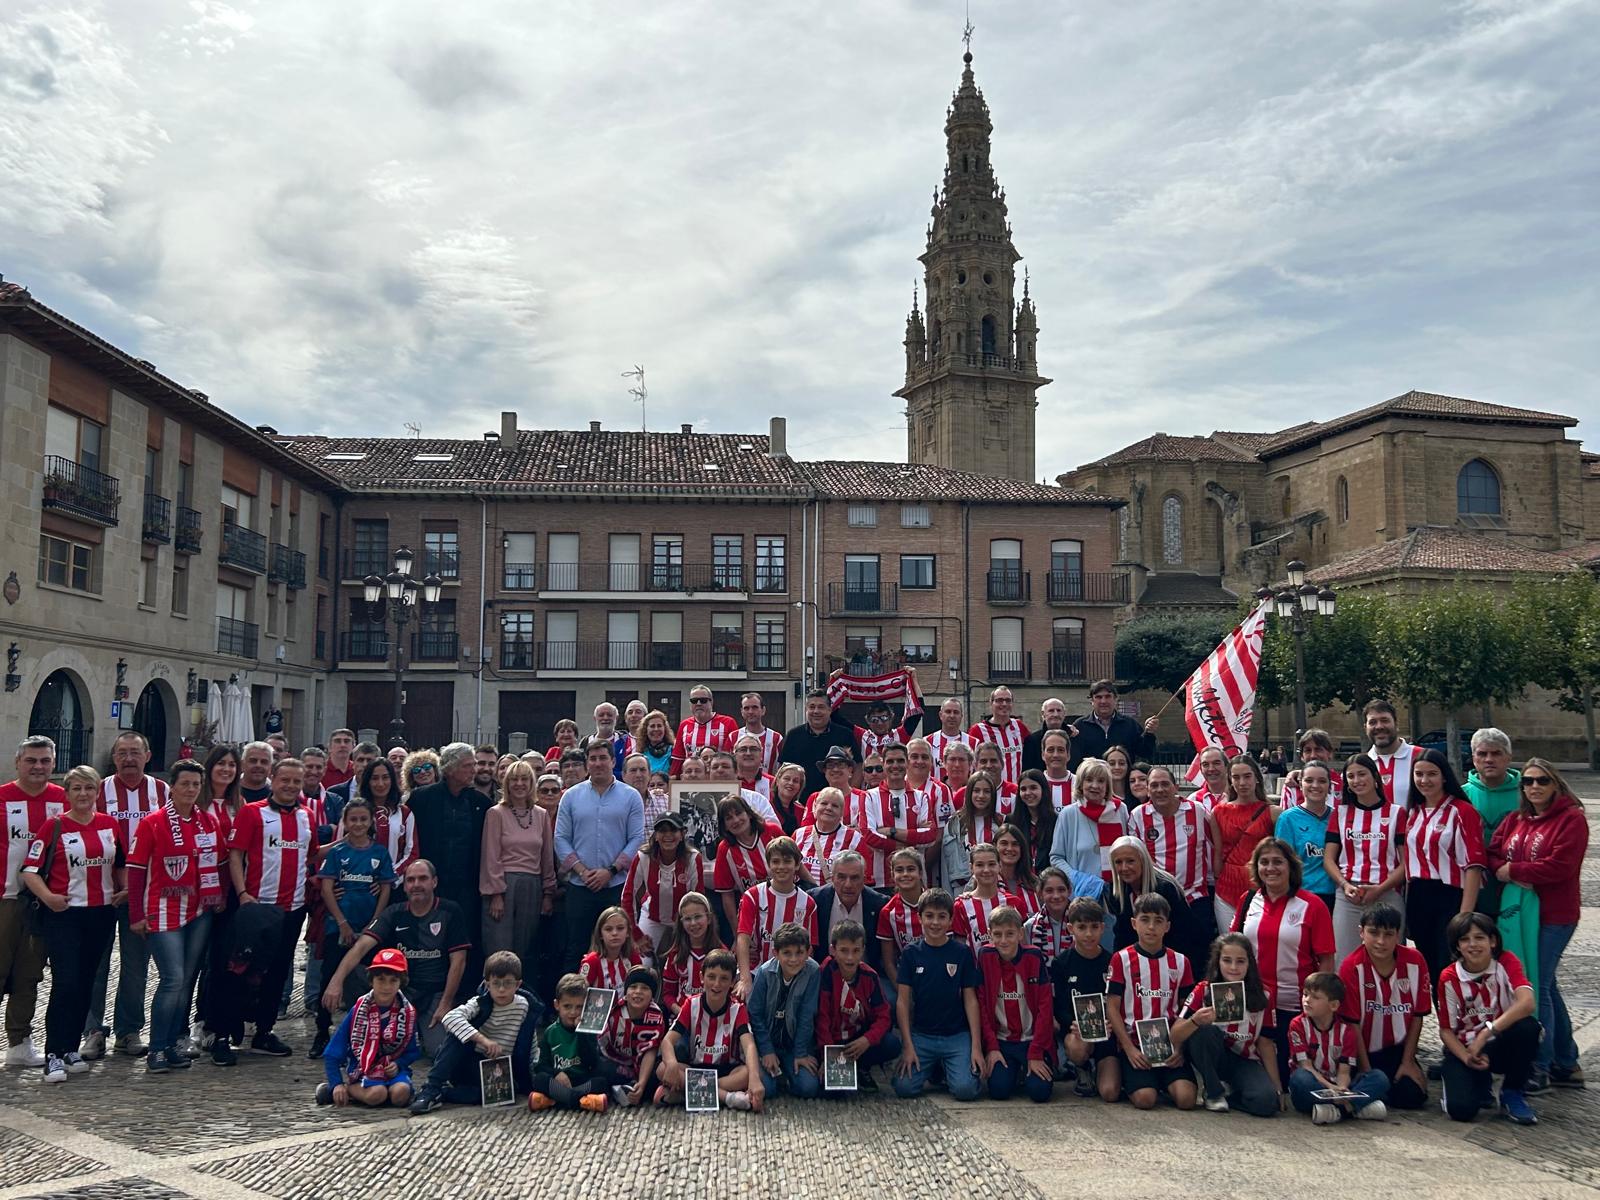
[157,525]
[243,548]
[187,538]
[603,655]
[1074,664]
[1008,585]
[435,645]
[1088,587]
[847,598]
[287,567]
[237,637]
[364,643]
[519,577]
[80,491]
[446,564]
[868,662]
[1010,664]
[686,578]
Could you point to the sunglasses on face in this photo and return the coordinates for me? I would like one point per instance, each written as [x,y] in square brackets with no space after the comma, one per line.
[699,699]
[421,770]
[872,770]
[1537,780]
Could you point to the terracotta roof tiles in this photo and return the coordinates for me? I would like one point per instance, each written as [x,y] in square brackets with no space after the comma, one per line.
[1434,548]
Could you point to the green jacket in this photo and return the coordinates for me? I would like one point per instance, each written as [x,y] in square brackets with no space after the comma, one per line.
[561,1049]
[1494,804]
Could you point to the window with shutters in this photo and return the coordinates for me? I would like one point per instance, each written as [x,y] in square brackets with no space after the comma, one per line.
[862,516]
[67,564]
[915,516]
[517,555]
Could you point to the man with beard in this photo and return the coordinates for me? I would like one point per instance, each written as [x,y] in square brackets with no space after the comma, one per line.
[1105,727]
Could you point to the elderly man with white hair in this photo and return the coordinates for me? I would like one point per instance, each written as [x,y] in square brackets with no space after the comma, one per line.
[1495,790]
[449,821]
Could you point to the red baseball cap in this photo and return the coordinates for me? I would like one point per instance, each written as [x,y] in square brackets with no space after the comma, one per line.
[388,960]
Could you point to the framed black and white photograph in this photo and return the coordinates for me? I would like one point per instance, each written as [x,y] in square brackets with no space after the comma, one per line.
[1155,1039]
[700,1090]
[1334,1095]
[1090,1010]
[494,1074]
[696,802]
[1227,1002]
[838,1072]
[596,1010]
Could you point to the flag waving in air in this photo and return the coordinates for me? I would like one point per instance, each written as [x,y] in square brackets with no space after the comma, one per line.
[1219,699]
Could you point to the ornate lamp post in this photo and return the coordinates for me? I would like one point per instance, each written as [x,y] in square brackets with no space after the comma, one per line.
[1297,604]
[400,597]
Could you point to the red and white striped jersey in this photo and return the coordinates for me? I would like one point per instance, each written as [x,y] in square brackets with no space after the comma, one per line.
[970,917]
[1009,737]
[82,862]
[1366,841]
[980,830]
[1149,985]
[941,802]
[172,872]
[1111,820]
[1290,937]
[680,980]
[1395,771]
[1024,899]
[1443,843]
[603,972]
[1060,791]
[1384,1005]
[708,1038]
[899,922]
[1468,1002]
[396,832]
[1179,844]
[1239,1036]
[26,817]
[818,850]
[907,812]
[761,785]
[128,806]
[1051,937]
[1014,1000]
[771,747]
[738,866]
[654,888]
[937,741]
[720,732]
[872,743]
[1208,800]
[763,909]
[626,1038]
[1292,797]
[1325,1049]
[278,846]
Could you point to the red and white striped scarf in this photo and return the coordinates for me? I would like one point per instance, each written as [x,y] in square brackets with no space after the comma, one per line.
[377,1035]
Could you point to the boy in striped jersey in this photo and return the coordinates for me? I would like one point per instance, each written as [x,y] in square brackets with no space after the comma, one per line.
[1387,992]
[712,1030]
[1014,1001]
[851,1009]
[1146,981]
[1486,1023]
[1325,1050]
[776,901]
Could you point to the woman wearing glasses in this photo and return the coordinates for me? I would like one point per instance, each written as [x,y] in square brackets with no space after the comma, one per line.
[1540,846]
[421,769]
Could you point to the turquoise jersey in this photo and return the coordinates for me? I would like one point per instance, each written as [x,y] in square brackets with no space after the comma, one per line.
[1307,833]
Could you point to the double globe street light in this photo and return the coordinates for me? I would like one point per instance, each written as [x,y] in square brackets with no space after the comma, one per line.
[397,595]
[1296,604]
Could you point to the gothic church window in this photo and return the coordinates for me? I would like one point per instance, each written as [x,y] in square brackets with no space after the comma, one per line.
[988,336]
[1172,530]
[1478,489]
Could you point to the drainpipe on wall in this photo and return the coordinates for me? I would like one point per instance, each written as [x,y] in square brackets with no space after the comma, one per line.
[483,658]
[966,602]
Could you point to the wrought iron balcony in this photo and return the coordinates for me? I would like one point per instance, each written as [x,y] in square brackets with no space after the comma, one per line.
[434,645]
[187,538]
[364,644]
[243,548]
[863,598]
[80,491]
[288,566]
[1095,587]
[157,525]
[1009,585]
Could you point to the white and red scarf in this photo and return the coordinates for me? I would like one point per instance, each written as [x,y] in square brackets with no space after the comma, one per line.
[377,1035]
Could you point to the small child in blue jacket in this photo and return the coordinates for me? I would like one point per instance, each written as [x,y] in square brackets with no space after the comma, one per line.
[783,1013]
[369,1059]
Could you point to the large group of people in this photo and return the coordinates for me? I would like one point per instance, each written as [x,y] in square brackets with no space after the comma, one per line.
[989,907]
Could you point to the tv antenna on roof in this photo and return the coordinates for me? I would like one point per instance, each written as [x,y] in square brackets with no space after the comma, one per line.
[414,429]
[967,32]
[639,393]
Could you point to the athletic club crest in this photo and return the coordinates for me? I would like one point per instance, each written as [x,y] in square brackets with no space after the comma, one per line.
[435,928]
[950,970]
[176,865]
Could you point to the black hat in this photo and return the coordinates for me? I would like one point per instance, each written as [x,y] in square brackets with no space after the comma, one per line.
[671,820]
[642,975]
[836,754]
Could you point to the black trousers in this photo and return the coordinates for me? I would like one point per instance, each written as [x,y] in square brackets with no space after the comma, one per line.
[215,967]
[237,1000]
[1429,907]
[1466,1090]
[75,940]
[583,910]
[1403,1091]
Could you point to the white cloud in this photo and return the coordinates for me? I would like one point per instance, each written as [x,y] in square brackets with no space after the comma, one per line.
[343,217]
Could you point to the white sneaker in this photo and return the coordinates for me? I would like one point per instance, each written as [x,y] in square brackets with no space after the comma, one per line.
[1325,1114]
[55,1070]
[620,1094]
[24,1054]
[1376,1111]
[75,1063]
[738,1100]
[94,1045]
[1218,1104]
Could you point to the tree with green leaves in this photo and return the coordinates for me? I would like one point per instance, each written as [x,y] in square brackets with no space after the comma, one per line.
[1561,620]
[1159,653]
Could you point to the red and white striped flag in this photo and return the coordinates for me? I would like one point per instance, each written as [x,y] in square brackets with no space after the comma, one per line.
[865,689]
[1219,699]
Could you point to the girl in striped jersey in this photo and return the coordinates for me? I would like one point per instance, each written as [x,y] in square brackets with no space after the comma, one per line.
[741,860]
[900,920]
[75,868]
[974,824]
[969,919]
[1486,1022]
[665,870]
[1444,855]
[1237,1053]
[777,901]
[1035,816]
[1362,855]
[694,935]
[611,954]
[825,838]
[1016,870]
[1096,802]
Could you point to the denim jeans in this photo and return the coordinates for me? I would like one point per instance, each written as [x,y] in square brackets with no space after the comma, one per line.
[1003,1079]
[802,1082]
[177,954]
[132,976]
[952,1051]
[1302,1083]
[1557,1047]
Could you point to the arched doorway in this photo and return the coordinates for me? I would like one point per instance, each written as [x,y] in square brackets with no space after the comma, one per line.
[155,716]
[61,712]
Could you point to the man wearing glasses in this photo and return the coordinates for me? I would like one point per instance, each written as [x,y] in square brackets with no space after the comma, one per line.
[703,727]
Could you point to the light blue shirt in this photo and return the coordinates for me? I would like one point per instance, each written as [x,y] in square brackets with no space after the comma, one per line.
[1307,833]
[598,829]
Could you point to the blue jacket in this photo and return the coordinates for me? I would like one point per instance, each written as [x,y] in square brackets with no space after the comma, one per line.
[801,1015]
[872,902]
[340,1062]
[1075,845]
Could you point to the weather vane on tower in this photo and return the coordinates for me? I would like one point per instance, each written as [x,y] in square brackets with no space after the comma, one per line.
[967,31]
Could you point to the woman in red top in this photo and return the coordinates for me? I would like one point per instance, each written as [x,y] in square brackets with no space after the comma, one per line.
[741,861]
[75,869]
[1541,846]
[1242,821]
[1444,856]
[174,886]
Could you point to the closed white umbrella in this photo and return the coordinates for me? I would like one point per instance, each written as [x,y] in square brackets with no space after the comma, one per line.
[230,730]
[214,709]
[243,720]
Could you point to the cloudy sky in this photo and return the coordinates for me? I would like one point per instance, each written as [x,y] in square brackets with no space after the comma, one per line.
[340,217]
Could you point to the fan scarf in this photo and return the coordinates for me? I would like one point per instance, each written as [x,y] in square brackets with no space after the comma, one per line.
[864,689]
[377,1035]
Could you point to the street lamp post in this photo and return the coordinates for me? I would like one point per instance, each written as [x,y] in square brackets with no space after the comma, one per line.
[399,596]
[1296,604]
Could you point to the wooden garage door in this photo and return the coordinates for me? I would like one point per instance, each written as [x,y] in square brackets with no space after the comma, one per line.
[428,712]
[535,714]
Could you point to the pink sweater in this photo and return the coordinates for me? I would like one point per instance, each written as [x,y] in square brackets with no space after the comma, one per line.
[507,846]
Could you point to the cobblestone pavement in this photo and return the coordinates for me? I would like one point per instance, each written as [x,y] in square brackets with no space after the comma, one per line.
[252,1131]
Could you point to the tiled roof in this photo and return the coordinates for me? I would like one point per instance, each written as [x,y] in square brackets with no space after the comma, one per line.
[1185,587]
[1163,447]
[1413,404]
[1588,554]
[911,481]
[1434,548]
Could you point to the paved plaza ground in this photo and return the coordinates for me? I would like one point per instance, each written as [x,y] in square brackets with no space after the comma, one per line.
[252,1131]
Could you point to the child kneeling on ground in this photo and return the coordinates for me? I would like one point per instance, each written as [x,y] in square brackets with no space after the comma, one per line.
[1014,1002]
[369,1059]
[783,1014]
[1147,982]
[631,1042]
[851,1009]
[1324,1048]
[566,1063]
[1237,1054]
[499,1020]
[1486,1023]
[937,1007]
[713,1030]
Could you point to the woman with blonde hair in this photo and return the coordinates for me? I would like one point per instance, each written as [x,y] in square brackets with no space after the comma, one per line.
[517,871]
[420,769]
